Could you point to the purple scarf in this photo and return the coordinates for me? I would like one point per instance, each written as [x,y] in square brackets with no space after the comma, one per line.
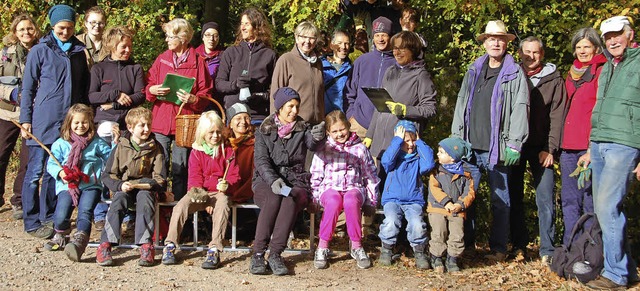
[78,144]
[284,131]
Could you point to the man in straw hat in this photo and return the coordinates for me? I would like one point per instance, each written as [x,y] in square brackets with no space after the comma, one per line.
[492,114]
[614,151]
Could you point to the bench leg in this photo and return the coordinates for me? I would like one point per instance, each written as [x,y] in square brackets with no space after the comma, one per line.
[156,219]
[195,229]
[312,231]
[234,221]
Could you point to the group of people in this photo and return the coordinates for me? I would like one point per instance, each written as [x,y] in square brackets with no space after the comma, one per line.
[300,132]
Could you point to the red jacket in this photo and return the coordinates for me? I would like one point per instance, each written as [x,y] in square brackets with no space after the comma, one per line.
[204,171]
[581,100]
[164,113]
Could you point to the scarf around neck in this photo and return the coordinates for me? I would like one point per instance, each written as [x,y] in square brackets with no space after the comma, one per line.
[64,46]
[311,59]
[454,168]
[78,144]
[284,131]
[210,151]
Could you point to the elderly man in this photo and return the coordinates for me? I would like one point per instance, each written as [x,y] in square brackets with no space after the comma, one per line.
[547,103]
[492,114]
[615,149]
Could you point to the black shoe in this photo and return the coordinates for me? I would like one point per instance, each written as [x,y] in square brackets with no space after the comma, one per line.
[386,256]
[258,266]
[422,261]
[276,263]
[452,265]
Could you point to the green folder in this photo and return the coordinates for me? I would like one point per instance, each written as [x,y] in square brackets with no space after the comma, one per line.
[176,82]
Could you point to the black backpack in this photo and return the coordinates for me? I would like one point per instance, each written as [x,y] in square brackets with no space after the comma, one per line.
[583,259]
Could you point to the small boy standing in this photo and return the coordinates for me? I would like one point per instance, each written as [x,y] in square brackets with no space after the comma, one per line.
[406,159]
[135,172]
[450,194]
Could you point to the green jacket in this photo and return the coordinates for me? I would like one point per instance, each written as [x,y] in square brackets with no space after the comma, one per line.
[616,115]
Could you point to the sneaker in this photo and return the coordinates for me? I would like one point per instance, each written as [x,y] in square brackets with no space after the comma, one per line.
[103,254]
[258,265]
[602,283]
[212,260]
[436,263]
[320,258]
[147,252]
[276,263]
[452,265]
[16,212]
[546,260]
[422,261]
[496,256]
[43,232]
[361,257]
[57,243]
[76,247]
[98,225]
[168,257]
[386,256]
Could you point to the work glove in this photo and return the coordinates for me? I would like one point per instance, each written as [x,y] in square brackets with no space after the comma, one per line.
[198,195]
[277,185]
[396,108]
[317,131]
[243,82]
[583,174]
[367,142]
[222,185]
[511,156]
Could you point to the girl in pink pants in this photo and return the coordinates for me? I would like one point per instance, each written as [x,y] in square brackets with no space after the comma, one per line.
[343,177]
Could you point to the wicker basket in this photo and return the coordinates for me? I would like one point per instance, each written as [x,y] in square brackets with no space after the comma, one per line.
[186,125]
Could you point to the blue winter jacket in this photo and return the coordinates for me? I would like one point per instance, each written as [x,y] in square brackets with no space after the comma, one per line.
[53,81]
[368,71]
[404,174]
[94,156]
[335,85]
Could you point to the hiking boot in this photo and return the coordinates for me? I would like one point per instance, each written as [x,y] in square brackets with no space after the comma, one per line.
[276,263]
[57,243]
[386,256]
[103,254]
[147,252]
[436,263]
[168,254]
[43,232]
[422,261]
[98,225]
[258,265]
[75,249]
[320,258]
[452,264]
[16,212]
[49,224]
[496,256]
[602,283]
[361,257]
[212,260]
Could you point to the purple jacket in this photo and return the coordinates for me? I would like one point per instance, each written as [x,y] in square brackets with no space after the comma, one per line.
[368,71]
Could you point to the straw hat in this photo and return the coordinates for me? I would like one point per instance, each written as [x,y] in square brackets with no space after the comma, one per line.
[495,27]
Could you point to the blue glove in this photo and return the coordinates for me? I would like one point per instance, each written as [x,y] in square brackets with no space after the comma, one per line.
[15,93]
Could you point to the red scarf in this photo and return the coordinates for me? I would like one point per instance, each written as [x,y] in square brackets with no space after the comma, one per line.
[532,73]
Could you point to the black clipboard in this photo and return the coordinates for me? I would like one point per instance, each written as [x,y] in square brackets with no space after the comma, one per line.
[378,97]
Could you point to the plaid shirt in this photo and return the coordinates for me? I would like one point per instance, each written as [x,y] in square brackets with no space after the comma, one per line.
[343,167]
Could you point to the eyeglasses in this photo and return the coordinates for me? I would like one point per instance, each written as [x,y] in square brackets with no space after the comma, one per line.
[399,49]
[94,23]
[206,35]
[171,37]
[23,30]
[304,37]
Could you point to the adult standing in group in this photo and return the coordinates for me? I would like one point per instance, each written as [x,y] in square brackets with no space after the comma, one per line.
[180,58]
[495,89]
[368,71]
[211,49]
[301,70]
[95,20]
[582,86]
[410,86]
[336,70]
[615,149]
[56,76]
[280,183]
[248,65]
[547,99]
[23,35]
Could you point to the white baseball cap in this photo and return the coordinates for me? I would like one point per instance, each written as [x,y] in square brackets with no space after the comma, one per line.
[615,23]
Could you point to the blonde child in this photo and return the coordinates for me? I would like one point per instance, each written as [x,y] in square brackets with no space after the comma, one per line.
[343,177]
[136,162]
[209,161]
[82,156]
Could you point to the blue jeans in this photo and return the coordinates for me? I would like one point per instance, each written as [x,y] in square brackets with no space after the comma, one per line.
[611,165]
[179,158]
[543,181]
[86,203]
[500,200]
[575,202]
[38,208]
[416,227]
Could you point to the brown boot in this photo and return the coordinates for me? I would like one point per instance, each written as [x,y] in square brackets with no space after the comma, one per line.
[75,249]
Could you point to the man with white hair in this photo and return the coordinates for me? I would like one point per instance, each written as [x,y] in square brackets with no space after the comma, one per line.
[614,151]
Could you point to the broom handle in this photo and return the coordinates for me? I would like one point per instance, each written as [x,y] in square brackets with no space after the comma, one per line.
[38,141]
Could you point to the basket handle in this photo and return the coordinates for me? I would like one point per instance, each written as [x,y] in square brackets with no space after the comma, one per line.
[215,102]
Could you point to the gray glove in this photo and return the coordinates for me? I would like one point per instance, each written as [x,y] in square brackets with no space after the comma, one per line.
[317,131]
[277,185]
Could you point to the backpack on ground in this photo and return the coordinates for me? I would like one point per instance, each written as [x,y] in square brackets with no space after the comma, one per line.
[583,259]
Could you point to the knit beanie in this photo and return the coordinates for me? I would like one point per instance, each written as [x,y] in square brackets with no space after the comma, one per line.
[236,109]
[61,12]
[381,24]
[456,147]
[408,126]
[284,95]
[209,25]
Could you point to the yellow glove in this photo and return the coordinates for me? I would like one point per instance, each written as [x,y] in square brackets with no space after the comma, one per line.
[367,142]
[396,108]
